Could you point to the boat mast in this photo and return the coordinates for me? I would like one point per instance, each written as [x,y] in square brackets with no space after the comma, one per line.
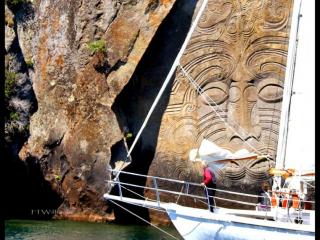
[170,74]
[166,82]
[288,83]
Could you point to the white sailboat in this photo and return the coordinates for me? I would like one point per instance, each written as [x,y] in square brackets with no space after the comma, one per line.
[223,223]
[275,222]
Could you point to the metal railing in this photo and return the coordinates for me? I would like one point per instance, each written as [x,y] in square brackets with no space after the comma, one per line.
[156,188]
[186,193]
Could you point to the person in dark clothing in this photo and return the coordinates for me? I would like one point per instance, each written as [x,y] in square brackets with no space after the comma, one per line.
[264,199]
[209,182]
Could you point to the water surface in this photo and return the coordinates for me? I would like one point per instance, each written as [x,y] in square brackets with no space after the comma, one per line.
[68,230]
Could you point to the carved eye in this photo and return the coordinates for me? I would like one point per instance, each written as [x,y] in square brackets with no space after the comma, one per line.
[270,90]
[214,92]
[271,93]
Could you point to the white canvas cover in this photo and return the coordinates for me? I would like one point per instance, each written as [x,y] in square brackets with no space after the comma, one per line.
[214,155]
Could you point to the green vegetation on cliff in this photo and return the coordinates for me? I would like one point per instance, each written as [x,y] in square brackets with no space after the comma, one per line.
[9,83]
[29,63]
[16,2]
[97,46]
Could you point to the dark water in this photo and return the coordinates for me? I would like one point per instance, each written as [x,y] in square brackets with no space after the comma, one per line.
[67,230]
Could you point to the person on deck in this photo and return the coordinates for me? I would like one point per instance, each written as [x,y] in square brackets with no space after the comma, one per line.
[209,181]
[264,198]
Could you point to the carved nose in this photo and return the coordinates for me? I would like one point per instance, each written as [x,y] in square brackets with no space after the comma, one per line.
[242,112]
[245,134]
[244,129]
[243,116]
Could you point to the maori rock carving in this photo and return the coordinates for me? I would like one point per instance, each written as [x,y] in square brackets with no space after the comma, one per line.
[237,55]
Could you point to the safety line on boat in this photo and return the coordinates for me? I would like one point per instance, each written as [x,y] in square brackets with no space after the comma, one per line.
[182,182]
[308,183]
[225,199]
[144,220]
[149,207]
[180,194]
[177,181]
[230,200]
[194,196]
[152,200]
[200,197]
[144,198]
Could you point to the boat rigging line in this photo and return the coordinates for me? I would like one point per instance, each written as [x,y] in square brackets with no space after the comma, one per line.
[143,219]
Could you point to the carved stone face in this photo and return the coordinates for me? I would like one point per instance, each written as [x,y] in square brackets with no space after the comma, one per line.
[240,103]
[237,57]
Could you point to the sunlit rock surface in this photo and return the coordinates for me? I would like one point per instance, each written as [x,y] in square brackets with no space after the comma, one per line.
[74,128]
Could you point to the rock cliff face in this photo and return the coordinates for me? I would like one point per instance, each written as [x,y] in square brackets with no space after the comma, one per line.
[20,104]
[74,127]
[98,65]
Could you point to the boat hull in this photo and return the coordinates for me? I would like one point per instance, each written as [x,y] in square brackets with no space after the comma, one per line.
[216,226]
[226,224]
